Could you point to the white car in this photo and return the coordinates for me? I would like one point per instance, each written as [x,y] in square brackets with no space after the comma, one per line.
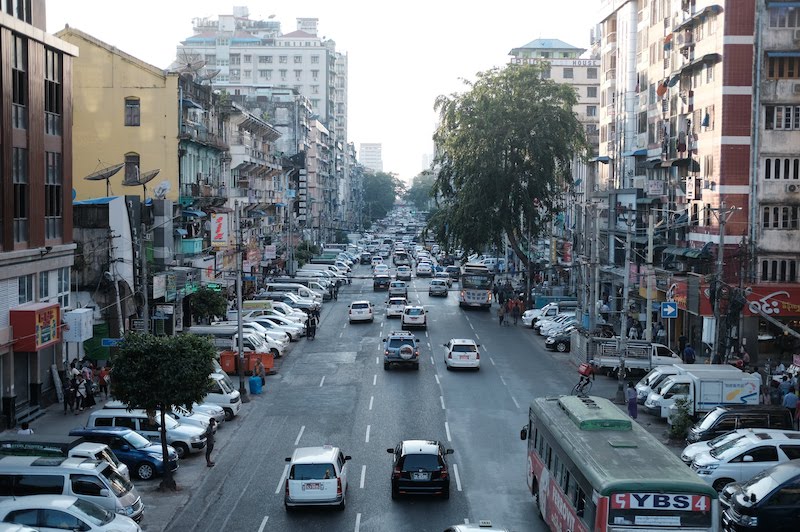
[316,476]
[294,332]
[561,318]
[530,315]
[395,306]
[288,322]
[398,288]
[424,269]
[556,328]
[380,269]
[210,410]
[376,260]
[444,276]
[462,353]
[403,273]
[289,311]
[361,311]
[693,449]
[42,511]
[414,316]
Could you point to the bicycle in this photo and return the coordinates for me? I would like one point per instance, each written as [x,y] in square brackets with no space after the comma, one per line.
[586,371]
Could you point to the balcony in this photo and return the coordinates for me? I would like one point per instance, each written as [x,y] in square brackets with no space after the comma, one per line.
[191,246]
[198,133]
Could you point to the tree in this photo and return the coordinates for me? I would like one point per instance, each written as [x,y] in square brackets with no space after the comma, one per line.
[505,150]
[420,191]
[380,192]
[305,250]
[207,304]
[155,373]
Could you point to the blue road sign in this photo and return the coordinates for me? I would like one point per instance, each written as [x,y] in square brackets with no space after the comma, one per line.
[669,310]
[110,342]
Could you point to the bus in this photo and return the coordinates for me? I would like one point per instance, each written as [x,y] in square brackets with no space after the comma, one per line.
[590,467]
[476,283]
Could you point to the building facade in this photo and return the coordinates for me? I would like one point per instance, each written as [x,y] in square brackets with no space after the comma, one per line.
[370,155]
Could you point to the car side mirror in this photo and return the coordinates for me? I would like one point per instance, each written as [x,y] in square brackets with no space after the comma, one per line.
[523,434]
[444,345]
[288,459]
[390,451]
[449,451]
[752,497]
[104,492]
[747,458]
[477,345]
[348,457]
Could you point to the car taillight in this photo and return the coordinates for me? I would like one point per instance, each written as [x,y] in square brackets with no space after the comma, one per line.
[287,487]
[477,355]
[338,486]
[386,352]
[450,354]
[396,472]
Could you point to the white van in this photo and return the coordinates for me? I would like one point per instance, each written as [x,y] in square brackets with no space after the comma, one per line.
[221,392]
[89,480]
[316,476]
[295,288]
[226,337]
[63,446]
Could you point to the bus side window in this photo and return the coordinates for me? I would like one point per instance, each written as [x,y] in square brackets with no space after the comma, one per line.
[548,457]
[579,501]
[567,483]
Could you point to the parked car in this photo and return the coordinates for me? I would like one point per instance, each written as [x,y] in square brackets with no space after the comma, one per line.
[560,341]
[723,419]
[768,502]
[420,468]
[67,512]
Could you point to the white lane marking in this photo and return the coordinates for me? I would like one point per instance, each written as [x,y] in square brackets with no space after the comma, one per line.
[437,379]
[503,381]
[471,327]
[447,430]
[491,360]
[323,381]
[282,480]
[297,440]
[341,334]
[374,379]
[377,360]
[441,400]
[367,438]
[371,398]
[429,345]
[477,336]
[358,522]
[458,479]
[344,326]
[515,401]
[263,523]
[363,475]
[431,359]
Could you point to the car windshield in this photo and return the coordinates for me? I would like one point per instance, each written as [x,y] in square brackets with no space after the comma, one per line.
[93,513]
[760,485]
[414,312]
[424,462]
[464,348]
[360,306]
[397,302]
[118,484]
[709,419]
[723,438]
[136,440]
[312,472]
[395,343]
[724,450]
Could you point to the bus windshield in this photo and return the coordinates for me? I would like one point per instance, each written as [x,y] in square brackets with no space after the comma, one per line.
[477,280]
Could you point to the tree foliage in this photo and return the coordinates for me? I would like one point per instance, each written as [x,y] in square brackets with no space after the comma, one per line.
[304,251]
[420,191]
[505,153]
[156,373]
[207,304]
[380,191]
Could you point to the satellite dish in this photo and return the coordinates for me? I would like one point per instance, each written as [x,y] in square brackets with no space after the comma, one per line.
[188,63]
[161,190]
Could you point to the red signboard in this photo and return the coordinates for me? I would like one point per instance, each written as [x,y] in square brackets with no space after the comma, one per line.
[775,300]
[35,325]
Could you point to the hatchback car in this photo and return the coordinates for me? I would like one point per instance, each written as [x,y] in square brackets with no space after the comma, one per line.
[424,269]
[63,512]
[381,281]
[413,316]
[403,273]
[560,341]
[438,287]
[462,353]
[420,467]
[395,306]
[401,348]
[398,288]
[445,276]
[361,311]
[317,476]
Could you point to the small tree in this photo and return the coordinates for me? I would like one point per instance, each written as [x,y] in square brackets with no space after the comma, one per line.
[681,420]
[206,304]
[305,250]
[156,373]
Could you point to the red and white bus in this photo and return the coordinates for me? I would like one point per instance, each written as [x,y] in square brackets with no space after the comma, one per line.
[591,468]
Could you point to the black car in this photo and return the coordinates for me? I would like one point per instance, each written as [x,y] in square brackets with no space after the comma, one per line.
[768,501]
[559,342]
[454,272]
[381,282]
[420,467]
[365,258]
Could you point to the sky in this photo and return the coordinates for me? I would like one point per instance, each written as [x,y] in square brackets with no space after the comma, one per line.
[401,55]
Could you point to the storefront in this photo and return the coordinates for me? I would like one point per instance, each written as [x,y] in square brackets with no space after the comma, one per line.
[772,315]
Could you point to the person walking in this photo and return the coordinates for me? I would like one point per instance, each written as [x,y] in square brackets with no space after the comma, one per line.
[69,393]
[103,381]
[311,327]
[790,402]
[209,434]
[633,333]
[80,393]
[515,310]
[501,314]
[25,429]
[630,396]
[260,371]
[689,354]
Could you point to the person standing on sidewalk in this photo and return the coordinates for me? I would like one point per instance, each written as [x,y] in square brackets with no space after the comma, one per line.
[790,402]
[209,434]
[103,381]
[630,396]
[25,429]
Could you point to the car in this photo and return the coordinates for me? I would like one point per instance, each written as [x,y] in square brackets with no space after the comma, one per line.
[444,276]
[395,306]
[401,348]
[381,281]
[398,288]
[178,413]
[424,269]
[365,258]
[64,512]
[462,353]
[143,457]
[438,287]
[361,311]
[454,272]
[557,328]
[293,330]
[403,273]
[380,269]
[317,476]
[414,316]
[560,342]
[484,525]
[376,259]
[420,468]
[693,449]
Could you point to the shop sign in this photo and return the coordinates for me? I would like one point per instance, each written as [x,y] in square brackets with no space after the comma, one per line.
[35,326]
[271,252]
[78,326]
[777,301]
[219,229]
[159,286]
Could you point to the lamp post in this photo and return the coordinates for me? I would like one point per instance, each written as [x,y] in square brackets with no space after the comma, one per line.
[239,325]
[630,222]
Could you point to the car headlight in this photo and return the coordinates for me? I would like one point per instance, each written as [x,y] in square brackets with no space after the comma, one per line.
[707,469]
[196,439]
[747,520]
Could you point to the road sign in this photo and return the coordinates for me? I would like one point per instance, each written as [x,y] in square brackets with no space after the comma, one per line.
[669,310]
[110,342]
[138,324]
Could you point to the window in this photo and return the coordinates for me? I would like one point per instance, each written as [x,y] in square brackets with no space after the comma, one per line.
[314,59]
[53,196]
[38,485]
[85,485]
[263,73]
[591,110]
[132,111]
[298,59]
[708,166]
[777,168]
[642,120]
[61,520]
[236,59]
[314,89]
[709,73]
[127,422]
[283,74]
[569,73]
[779,270]
[19,76]
[25,289]
[63,286]
[248,58]
[24,517]
[784,117]
[760,454]
[131,167]
[44,286]
[298,75]
[783,17]
[315,103]
[591,92]
[52,93]
[247,74]
[283,59]
[783,67]
[21,194]
[315,75]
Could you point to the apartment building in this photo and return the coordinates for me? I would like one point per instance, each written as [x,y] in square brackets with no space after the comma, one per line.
[370,155]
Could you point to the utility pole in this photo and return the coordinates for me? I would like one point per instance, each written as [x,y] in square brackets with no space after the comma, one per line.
[144,283]
[239,326]
[112,273]
[623,321]
[651,224]
[592,303]
[722,215]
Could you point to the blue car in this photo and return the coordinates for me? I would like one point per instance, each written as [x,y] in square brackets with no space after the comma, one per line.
[143,457]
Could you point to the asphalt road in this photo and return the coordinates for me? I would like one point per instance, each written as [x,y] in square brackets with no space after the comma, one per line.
[334,390]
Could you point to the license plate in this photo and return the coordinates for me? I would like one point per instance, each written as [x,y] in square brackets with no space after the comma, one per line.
[420,476]
[311,486]
[463,357]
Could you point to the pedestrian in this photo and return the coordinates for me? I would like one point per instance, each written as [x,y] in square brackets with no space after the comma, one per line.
[69,393]
[515,311]
[784,386]
[630,396]
[209,434]
[682,341]
[764,398]
[260,371]
[103,380]
[745,359]
[494,291]
[633,333]
[25,429]
[661,333]
[501,314]
[311,327]
[335,292]
[80,393]
[790,402]
[688,354]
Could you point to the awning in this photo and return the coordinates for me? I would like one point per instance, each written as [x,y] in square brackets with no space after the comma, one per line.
[181,232]
[708,58]
[795,53]
[652,164]
[605,159]
[187,102]
[691,164]
[647,201]
[698,17]
[194,213]
[641,152]
[255,213]
[221,209]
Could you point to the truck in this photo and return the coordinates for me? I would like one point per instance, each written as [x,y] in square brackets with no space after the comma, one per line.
[656,376]
[640,356]
[704,390]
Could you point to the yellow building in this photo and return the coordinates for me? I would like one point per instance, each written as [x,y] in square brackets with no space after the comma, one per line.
[126,112]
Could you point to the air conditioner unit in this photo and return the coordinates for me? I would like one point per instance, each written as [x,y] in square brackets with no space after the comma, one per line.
[793,188]
[796,88]
[796,36]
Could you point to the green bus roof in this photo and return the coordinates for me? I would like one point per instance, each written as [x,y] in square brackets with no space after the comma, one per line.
[614,453]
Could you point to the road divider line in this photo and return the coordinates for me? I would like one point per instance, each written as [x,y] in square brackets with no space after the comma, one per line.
[358,522]
[300,435]
[447,431]
[363,476]
[263,523]
[283,478]
[377,360]
[344,326]
[375,379]
[432,359]
[492,361]
[367,438]
[321,382]
[437,379]
[458,479]
[477,336]
[501,380]
[471,327]
[371,398]
[341,334]
[515,401]
[441,400]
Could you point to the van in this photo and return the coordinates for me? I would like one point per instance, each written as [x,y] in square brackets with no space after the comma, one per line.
[90,480]
[726,418]
[769,501]
[185,439]
[294,288]
[221,392]
[316,476]
[69,446]
[530,318]
[318,283]
[226,337]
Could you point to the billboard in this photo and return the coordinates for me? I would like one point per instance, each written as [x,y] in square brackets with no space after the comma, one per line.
[219,229]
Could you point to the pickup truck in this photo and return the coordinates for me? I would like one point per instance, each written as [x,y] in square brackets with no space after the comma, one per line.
[639,356]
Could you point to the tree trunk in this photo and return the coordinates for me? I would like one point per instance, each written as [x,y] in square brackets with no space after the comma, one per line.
[167,481]
[514,243]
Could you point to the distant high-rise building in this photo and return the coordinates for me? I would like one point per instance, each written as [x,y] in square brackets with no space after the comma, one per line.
[370,155]
[427,161]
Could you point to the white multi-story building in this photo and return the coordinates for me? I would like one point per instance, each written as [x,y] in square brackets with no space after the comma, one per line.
[370,155]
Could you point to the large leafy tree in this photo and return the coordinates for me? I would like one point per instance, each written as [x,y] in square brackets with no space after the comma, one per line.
[380,192]
[156,373]
[505,149]
[420,191]
[207,304]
